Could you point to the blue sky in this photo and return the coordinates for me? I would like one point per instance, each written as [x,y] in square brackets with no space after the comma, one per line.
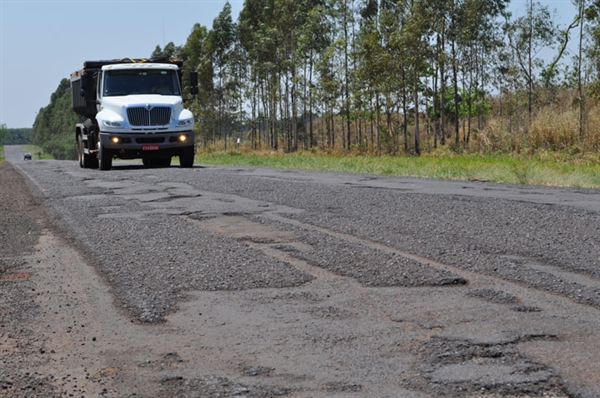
[43,41]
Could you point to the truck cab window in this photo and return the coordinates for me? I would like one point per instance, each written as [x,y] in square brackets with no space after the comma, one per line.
[135,82]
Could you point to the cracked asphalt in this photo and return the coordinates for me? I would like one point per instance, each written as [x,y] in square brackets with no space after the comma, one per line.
[231,282]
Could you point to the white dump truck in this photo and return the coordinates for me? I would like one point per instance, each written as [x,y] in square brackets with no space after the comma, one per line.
[133,109]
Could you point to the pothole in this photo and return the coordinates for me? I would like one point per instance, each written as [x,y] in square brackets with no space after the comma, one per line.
[460,368]
[266,238]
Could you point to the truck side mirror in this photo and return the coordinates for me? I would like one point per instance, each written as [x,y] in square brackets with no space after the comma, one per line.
[194,82]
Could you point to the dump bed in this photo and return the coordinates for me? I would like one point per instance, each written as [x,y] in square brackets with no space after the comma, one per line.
[83,105]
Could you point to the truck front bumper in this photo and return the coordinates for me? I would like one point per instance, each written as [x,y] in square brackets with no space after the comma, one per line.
[141,145]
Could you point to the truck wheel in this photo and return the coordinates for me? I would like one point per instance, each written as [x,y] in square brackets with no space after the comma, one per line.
[186,158]
[92,161]
[80,151]
[86,160]
[104,158]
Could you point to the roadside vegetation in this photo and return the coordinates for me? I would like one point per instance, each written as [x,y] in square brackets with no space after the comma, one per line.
[541,169]
[545,168]
[445,89]
[8,136]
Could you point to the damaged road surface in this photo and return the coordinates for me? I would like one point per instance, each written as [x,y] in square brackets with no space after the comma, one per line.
[241,282]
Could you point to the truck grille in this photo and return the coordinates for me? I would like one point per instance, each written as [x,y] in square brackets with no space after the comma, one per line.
[141,116]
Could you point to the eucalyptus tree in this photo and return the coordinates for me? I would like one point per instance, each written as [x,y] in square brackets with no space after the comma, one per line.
[383,53]
[393,15]
[445,27]
[314,36]
[416,32]
[261,40]
[579,68]
[394,51]
[221,41]
[239,83]
[591,10]
[332,48]
[479,41]
[528,36]
[347,16]
[284,22]
[328,91]
[294,20]
[197,56]
[169,51]
[440,23]
[550,72]
[283,40]
[369,70]
[293,14]
[251,27]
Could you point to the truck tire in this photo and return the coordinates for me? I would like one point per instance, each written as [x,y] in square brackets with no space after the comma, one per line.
[104,157]
[186,158]
[80,151]
[86,160]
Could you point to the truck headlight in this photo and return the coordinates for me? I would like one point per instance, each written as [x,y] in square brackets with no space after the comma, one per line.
[183,137]
[108,123]
[185,122]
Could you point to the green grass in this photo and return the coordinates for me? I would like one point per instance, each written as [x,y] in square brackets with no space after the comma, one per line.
[493,168]
[36,151]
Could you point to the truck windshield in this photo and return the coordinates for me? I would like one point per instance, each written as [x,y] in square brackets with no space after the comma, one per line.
[140,81]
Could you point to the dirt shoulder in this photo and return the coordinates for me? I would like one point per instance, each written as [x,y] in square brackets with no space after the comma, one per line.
[58,323]
[21,216]
[56,315]
[22,220]
[51,304]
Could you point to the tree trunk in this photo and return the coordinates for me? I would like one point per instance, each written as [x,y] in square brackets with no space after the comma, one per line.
[416,99]
[455,83]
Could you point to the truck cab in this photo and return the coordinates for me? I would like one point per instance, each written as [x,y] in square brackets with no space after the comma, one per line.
[134,109]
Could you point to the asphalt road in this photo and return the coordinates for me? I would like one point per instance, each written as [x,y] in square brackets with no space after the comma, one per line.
[235,281]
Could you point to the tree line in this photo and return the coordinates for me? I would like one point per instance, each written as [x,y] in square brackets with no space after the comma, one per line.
[54,125]
[383,76]
[18,136]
